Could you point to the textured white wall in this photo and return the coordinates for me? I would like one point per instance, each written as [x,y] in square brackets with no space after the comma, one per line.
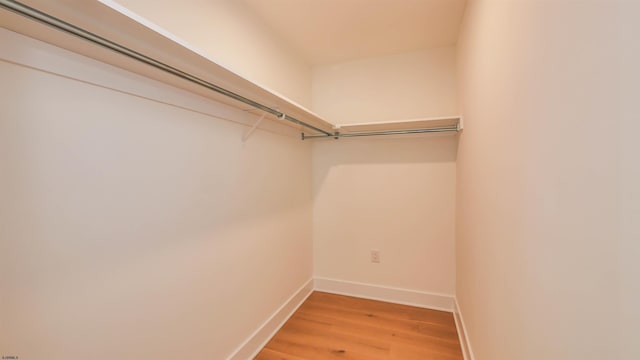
[393,195]
[396,87]
[133,229]
[544,231]
[231,34]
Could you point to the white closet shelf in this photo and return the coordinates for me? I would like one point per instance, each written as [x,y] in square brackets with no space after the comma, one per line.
[117,25]
[107,32]
[398,127]
[412,124]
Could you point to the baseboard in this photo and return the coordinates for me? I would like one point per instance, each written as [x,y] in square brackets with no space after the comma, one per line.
[384,293]
[467,353]
[252,346]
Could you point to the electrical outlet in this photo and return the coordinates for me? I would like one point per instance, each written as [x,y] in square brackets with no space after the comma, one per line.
[375,256]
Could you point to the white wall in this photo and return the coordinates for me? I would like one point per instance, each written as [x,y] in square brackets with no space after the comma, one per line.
[135,229]
[396,87]
[543,168]
[628,180]
[393,195]
[236,38]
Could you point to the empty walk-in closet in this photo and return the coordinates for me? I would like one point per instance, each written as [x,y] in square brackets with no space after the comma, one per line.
[319,179]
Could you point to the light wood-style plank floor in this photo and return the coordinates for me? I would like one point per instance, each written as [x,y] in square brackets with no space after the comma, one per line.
[329,326]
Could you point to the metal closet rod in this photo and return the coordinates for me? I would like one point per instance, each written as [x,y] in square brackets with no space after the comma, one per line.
[64,26]
[338,135]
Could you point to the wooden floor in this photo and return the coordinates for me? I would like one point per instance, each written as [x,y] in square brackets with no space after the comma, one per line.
[331,326]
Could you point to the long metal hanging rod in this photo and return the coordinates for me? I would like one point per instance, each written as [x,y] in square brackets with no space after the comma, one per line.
[381,133]
[64,26]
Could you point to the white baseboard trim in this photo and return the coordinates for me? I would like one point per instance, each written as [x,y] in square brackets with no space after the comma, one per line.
[252,346]
[463,335]
[385,293]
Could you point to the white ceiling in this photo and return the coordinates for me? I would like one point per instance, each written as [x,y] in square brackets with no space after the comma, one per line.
[332,31]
